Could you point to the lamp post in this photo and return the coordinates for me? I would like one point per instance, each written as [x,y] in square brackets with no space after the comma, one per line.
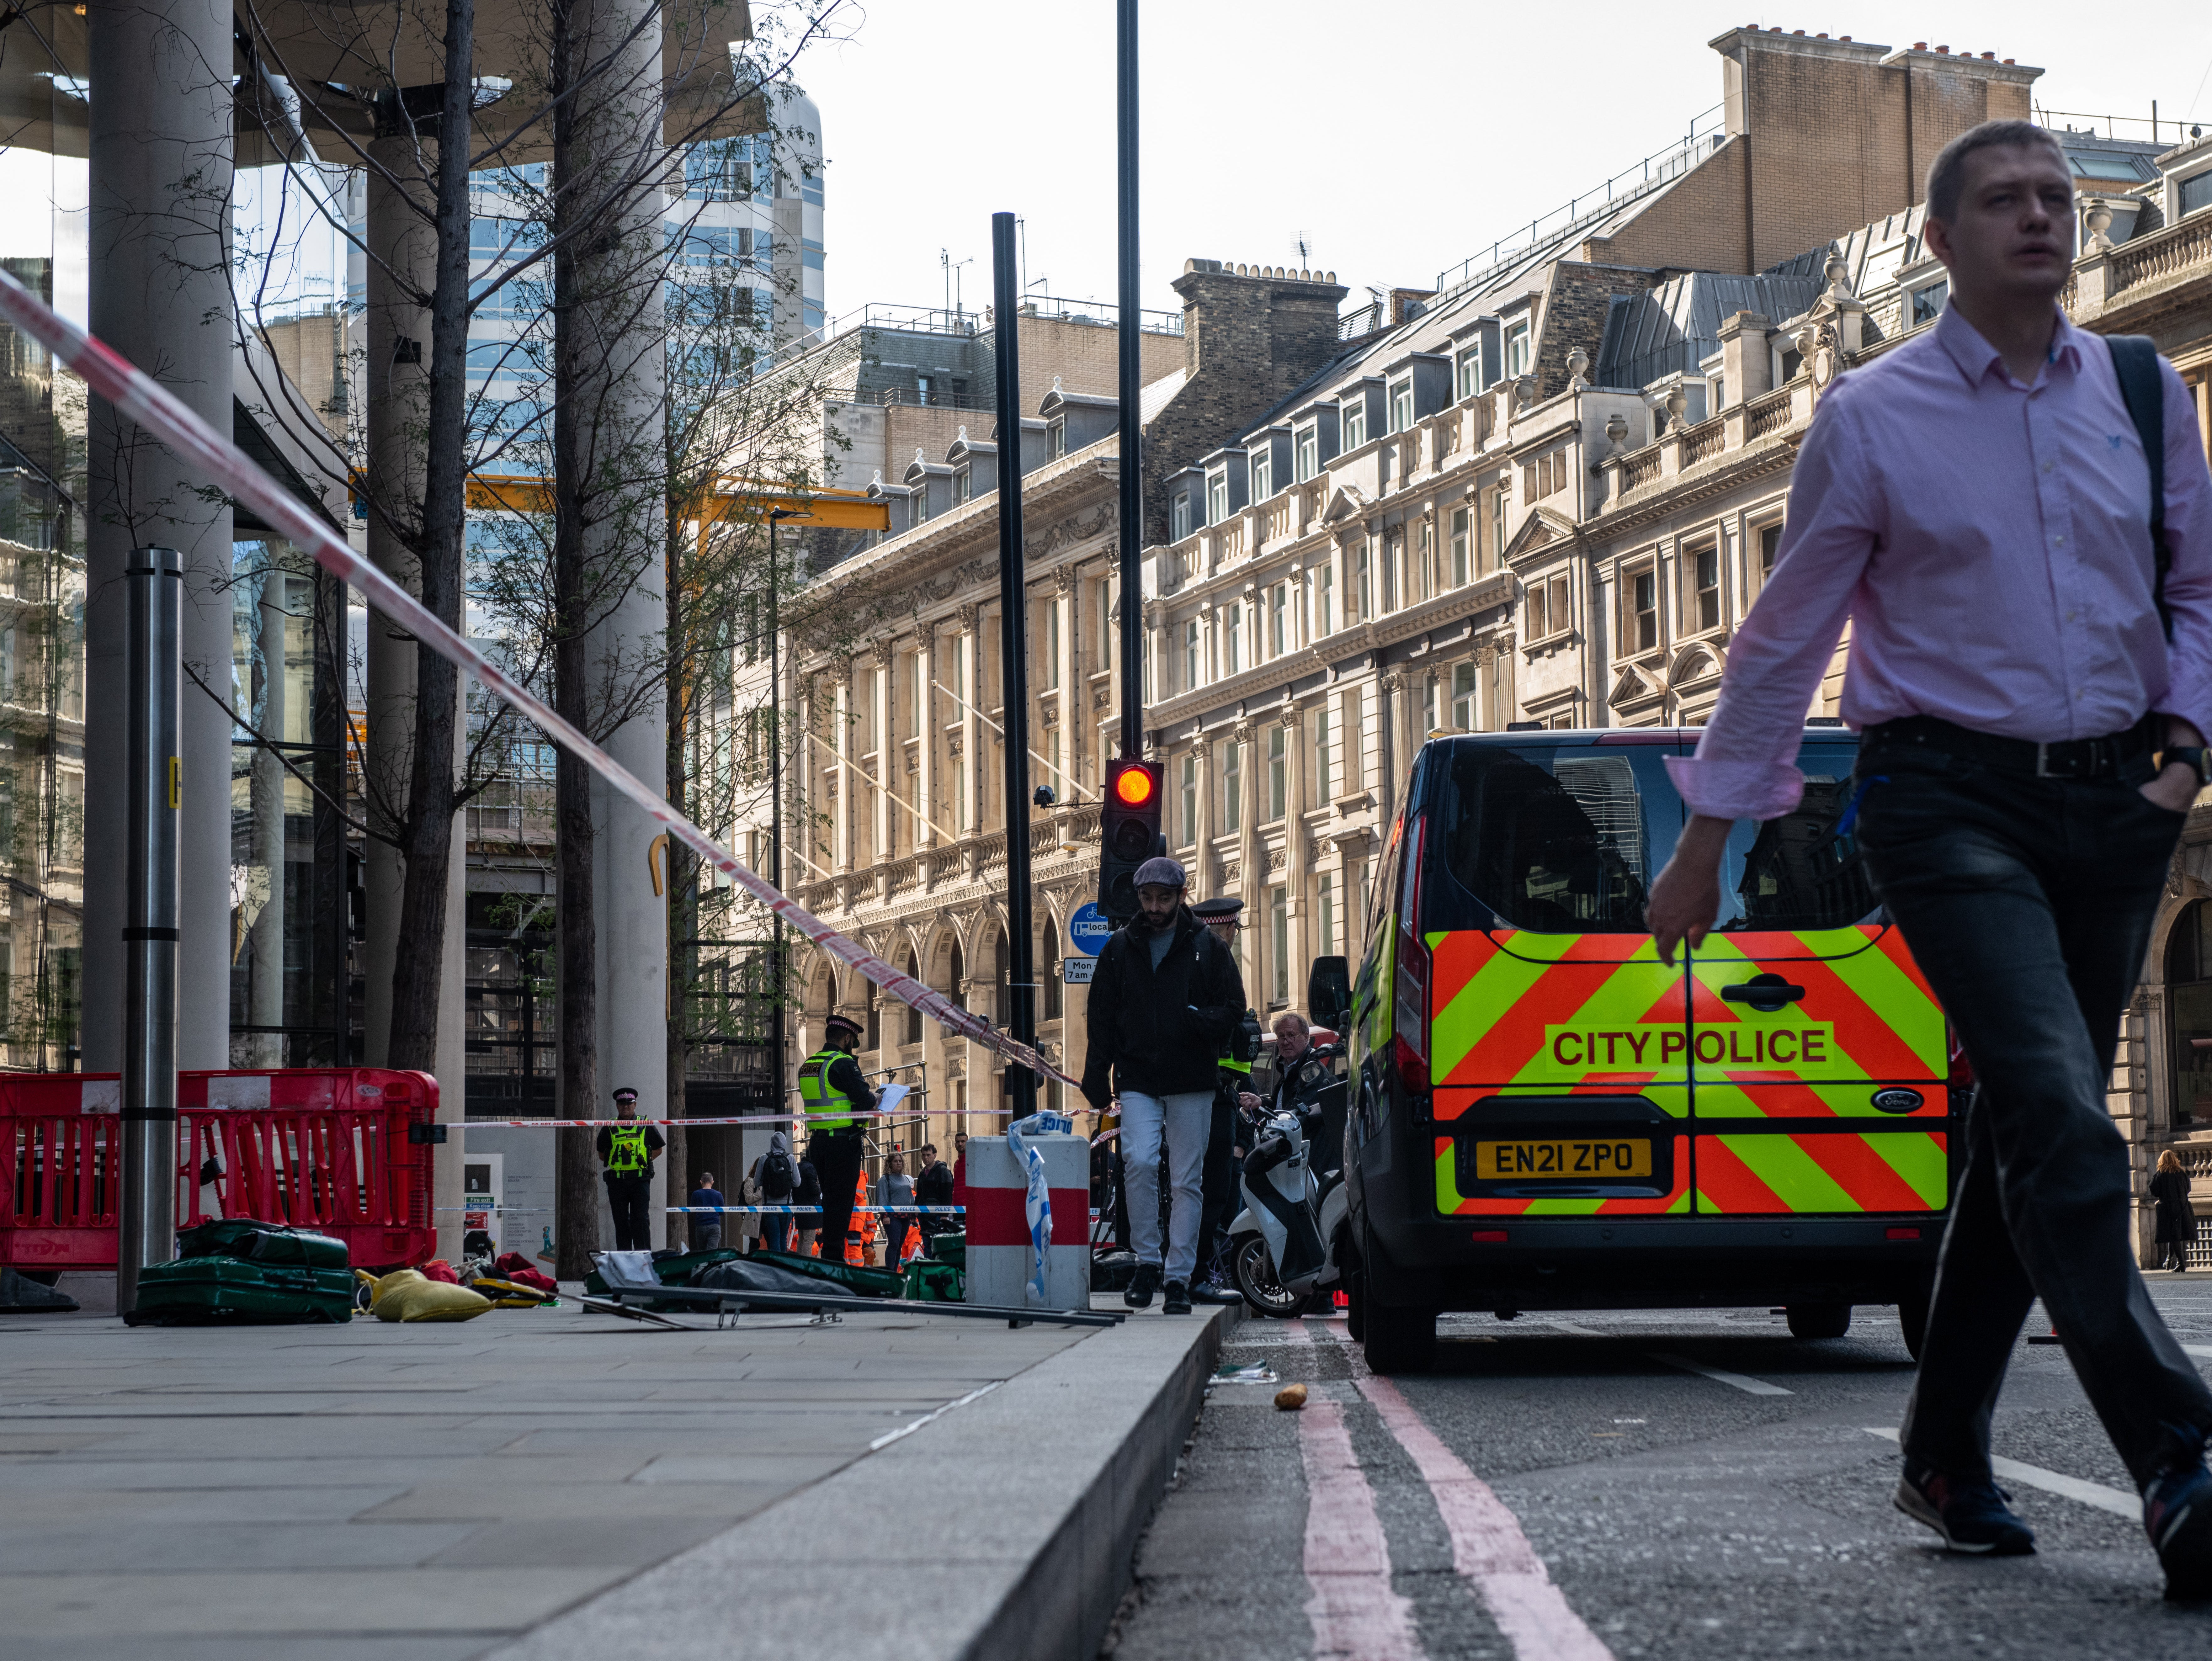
[1131,464]
[1013,662]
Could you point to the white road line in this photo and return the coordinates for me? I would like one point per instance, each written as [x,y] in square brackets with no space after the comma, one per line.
[1357,1614]
[1488,1548]
[2116,1500]
[1750,1386]
[890,1436]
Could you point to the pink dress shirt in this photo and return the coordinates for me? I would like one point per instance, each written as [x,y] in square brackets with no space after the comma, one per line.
[1988,543]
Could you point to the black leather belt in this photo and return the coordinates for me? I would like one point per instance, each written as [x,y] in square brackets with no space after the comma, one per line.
[2071,758]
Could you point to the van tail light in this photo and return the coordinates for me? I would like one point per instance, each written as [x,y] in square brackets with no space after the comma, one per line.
[1410,1018]
[1962,1071]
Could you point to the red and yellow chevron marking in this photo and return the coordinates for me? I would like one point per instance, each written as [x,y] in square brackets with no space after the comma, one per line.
[1899,1170]
[1451,1203]
[1866,1004]
[1502,1004]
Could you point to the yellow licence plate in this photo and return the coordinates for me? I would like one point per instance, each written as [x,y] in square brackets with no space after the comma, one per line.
[1505,1161]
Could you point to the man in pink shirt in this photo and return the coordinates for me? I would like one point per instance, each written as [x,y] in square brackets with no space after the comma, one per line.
[1976,503]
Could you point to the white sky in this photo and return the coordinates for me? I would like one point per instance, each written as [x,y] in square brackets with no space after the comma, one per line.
[1396,139]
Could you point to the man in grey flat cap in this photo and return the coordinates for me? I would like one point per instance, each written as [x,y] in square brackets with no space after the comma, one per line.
[1163,997]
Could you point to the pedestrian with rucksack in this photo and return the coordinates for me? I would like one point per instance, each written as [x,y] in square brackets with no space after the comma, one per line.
[2014,517]
[779,1183]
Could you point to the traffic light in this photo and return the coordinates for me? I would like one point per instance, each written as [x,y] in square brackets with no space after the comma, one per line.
[1128,834]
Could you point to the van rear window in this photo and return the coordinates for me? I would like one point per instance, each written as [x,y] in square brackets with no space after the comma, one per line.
[1566,839]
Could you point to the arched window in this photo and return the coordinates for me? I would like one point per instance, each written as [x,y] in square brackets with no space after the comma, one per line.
[1005,1018]
[2189,1011]
[956,976]
[875,1014]
[1048,982]
[913,1015]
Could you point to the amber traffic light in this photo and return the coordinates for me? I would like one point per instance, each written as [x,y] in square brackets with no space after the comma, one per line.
[1128,834]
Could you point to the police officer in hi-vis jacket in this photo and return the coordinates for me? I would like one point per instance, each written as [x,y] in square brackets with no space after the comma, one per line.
[627,1151]
[836,1096]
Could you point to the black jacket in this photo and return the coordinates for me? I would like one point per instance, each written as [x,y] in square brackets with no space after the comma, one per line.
[934,1185]
[2177,1218]
[1160,1031]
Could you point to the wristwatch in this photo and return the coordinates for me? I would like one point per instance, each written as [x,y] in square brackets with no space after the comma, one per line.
[2192,756]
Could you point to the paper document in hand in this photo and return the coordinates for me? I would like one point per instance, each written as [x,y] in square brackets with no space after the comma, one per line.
[887,1102]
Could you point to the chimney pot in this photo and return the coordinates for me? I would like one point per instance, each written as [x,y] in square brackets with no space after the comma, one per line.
[1991,56]
[1843,37]
[1920,45]
[1944,49]
[1822,35]
[2009,60]
[1799,32]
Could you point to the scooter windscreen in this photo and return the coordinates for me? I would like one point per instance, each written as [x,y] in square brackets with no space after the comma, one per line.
[1271,1150]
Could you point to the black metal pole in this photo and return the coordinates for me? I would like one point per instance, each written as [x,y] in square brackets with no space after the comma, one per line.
[1132,536]
[147,1233]
[1013,660]
[775,804]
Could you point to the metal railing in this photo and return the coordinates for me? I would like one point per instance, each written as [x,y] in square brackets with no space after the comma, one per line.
[914,397]
[1660,167]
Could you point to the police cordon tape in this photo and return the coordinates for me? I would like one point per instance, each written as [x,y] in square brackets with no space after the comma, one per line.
[137,395]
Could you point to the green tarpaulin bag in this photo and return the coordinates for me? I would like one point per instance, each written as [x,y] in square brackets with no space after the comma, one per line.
[212,1291]
[261,1242]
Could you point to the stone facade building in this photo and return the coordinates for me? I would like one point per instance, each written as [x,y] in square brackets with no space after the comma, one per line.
[1543,493]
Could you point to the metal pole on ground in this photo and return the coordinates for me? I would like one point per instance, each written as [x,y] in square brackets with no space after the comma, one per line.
[1132,535]
[154,590]
[1013,661]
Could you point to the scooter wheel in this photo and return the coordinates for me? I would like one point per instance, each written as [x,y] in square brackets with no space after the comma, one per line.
[1256,1279]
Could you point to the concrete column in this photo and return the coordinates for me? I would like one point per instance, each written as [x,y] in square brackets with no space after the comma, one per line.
[160,294]
[620,410]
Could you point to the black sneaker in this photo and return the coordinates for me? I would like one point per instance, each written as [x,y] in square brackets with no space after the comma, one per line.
[1214,1292]
[2177,1517]
[1142,1284]
[1177,1301]
[1971,1516]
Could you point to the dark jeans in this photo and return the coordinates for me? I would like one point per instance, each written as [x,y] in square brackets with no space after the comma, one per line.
[1216,1182]
[837,1155]
[2027,903]
[631,1199]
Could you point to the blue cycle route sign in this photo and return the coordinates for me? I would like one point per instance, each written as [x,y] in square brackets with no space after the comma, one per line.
[1089,927]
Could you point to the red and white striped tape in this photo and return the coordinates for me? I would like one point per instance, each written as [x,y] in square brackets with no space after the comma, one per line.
[145,401]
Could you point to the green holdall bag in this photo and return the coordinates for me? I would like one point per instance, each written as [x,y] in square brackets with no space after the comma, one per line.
[227,1291]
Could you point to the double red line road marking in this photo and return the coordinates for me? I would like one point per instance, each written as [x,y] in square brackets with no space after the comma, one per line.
[1357,1614]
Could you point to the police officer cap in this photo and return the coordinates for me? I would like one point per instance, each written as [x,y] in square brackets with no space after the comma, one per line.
[837,1023]
[1218,909]
[1160,871]
[625,1094]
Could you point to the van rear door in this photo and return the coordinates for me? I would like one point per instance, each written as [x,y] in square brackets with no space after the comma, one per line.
[1559,1042]
[1818,1053]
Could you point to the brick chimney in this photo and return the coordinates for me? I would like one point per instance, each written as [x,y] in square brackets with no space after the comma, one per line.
[1252,334]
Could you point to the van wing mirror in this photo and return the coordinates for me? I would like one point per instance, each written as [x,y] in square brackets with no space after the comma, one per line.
[1328,992]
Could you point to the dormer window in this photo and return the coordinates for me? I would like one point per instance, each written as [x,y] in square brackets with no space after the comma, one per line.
[1928,302]
[1306,452]
[1355,423]
[1516,350]
[1468,371]
[1263,474]
[963,486]
[1055,441]
[1401,404]
[1217,498]
[1179,515]
[2195,192]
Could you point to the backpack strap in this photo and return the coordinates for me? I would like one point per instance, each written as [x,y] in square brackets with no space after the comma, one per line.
[2135,361]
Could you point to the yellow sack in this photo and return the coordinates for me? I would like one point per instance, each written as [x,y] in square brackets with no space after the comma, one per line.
[407,1295]
[511,1295]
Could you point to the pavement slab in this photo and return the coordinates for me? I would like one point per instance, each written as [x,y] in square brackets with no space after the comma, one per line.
[426,1493]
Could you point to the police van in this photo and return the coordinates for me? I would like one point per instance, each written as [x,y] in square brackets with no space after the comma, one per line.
[1547,1116]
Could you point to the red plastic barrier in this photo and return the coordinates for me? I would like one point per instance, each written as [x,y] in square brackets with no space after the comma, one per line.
[316,1149]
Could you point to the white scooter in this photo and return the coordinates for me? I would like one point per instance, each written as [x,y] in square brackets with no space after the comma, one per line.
[1282,1246]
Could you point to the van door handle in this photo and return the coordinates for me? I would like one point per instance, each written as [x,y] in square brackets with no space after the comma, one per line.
[1763,992]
